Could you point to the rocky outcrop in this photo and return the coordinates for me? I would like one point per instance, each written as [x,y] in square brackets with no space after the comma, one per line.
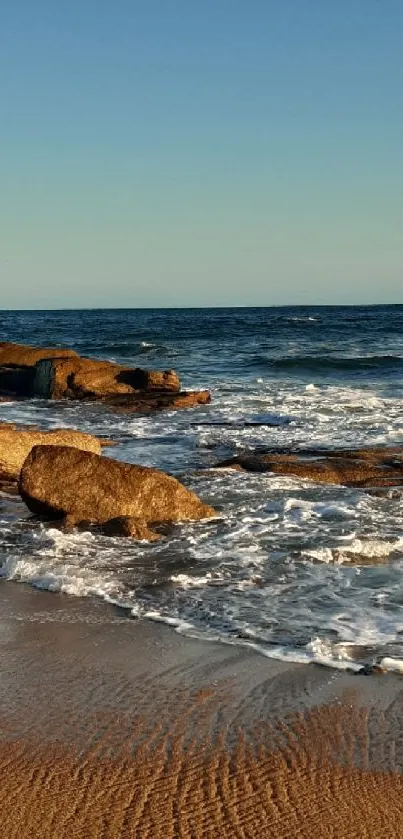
[61,374]
[83,487]
[16,443]
[361,468]
[86,378]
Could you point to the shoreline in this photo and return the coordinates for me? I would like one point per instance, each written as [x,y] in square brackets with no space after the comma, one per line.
[115,727]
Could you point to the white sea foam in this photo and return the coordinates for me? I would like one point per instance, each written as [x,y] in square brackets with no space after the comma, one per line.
[355,547]
[392,665]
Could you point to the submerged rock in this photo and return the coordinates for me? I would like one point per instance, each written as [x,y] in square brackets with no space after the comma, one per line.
[87,488]
[16,443]
[144,403]
[361,468]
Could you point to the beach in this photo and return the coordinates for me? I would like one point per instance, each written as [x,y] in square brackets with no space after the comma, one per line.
[121,728]
[237,672]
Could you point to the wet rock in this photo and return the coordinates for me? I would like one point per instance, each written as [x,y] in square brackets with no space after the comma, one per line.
[130,527]
[22,355]
[61,374]
[86,378]
[362,468]
[144,403]
[17,366]
[63,481]
[16,381]
[120,526]
[16,443]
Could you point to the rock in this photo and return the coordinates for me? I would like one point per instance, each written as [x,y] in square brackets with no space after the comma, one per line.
[64,481]
[361,468]
[17,366]
[86,378]
[17,442]
[130,527]
[150,380]
[62,374]
[22,355]
[16,380]
[144,403]
[125,526]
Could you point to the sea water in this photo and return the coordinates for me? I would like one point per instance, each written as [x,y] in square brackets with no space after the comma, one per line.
[276,570]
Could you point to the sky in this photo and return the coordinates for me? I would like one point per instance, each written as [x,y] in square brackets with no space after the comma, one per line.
[200,152]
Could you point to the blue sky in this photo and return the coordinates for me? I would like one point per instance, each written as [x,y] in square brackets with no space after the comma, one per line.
[174,152]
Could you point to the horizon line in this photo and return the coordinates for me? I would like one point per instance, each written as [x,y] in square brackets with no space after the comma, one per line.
[184,308]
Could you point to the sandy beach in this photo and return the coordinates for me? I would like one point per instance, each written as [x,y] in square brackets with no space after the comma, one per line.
[118,728]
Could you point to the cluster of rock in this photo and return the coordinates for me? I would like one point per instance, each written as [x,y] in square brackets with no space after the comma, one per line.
[56,373]
[61,474]
[62,477]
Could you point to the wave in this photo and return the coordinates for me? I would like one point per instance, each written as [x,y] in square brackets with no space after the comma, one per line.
[129,349]
[347,656]
[300,320]
[57,566]
[331,364]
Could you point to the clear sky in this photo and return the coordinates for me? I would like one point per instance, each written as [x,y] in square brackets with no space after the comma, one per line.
[200,152]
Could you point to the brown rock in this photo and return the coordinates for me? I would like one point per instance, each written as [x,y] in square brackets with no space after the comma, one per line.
[86,378]
[129,527]
[361,468]
[144,403]
[22,355]
[17,442]
[62,374]
[85,487]
[17,366]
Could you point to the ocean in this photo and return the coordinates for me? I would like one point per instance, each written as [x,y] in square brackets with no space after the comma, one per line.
[274,571]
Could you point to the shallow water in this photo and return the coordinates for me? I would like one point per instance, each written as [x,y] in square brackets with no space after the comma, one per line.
[275,570]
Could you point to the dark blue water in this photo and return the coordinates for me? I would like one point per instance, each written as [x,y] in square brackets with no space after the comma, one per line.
[266,573]
[328,340]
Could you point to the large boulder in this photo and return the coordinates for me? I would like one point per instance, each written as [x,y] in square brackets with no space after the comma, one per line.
[16,443]
[365,468]
[87,378]
[83,487]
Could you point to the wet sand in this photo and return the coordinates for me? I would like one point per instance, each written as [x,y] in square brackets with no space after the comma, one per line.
[118,728]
